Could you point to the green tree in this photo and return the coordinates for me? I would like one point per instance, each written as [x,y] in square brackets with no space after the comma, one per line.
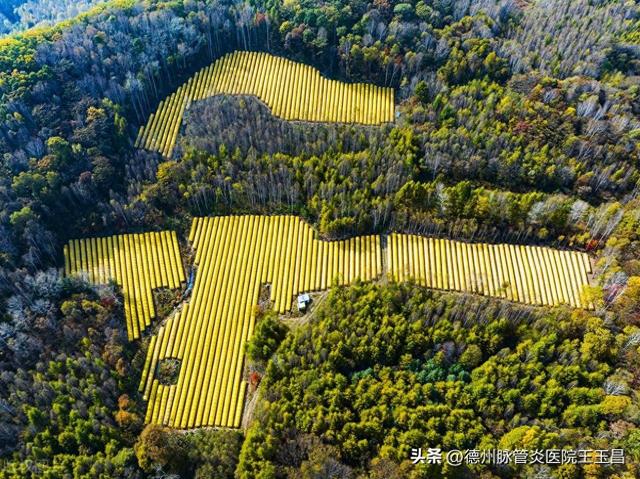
[269,333]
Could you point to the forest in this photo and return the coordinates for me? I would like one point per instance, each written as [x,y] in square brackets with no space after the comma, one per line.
[383,368]
[19,15]
[516,121]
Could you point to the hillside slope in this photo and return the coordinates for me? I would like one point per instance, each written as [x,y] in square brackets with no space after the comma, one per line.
[19,15]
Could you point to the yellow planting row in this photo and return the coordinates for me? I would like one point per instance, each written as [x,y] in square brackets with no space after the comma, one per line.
[293,91]
[138,263]
[235,255]
[528,274]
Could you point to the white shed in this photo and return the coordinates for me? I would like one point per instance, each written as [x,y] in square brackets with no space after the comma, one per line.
[303,301]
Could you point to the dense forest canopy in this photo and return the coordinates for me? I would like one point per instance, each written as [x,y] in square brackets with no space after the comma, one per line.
[383,369]
[516,121]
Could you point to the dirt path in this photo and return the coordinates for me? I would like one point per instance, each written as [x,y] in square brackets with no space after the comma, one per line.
[384,243]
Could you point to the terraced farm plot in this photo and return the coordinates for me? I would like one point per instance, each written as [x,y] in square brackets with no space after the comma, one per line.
[293,91]
[235,255]
[139,263]
[527,274]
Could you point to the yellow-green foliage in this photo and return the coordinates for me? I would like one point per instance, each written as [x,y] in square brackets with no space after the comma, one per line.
[291,90]
[615,405]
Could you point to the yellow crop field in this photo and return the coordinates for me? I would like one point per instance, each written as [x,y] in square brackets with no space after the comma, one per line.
[139,263]
[235,255]
[527,274]
[293,91]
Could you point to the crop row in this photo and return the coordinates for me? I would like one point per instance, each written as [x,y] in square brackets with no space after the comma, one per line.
[293,91]
[527,274]
[139,263]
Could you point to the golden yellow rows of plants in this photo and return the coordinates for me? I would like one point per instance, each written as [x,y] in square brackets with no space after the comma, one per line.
[527,274]
[293,91]
[139,263]
[235,255]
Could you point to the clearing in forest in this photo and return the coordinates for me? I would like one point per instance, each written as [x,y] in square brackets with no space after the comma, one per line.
[293,91]
[138,263]
[526,274]
[236,255]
